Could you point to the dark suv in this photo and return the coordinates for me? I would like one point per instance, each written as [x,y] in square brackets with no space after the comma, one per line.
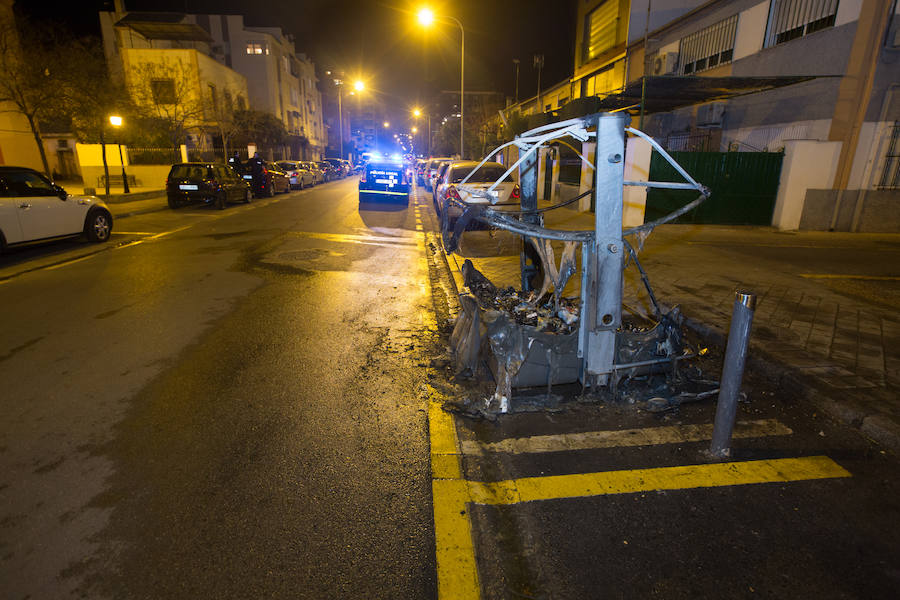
[212,183]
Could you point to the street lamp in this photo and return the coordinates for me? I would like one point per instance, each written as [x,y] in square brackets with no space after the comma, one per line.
[340,84]
[359,85]
[427,18]
[116,121]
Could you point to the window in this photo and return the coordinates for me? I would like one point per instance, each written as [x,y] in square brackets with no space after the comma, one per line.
[709,47]
[213,98]
[607,80]
[257,48]
[163,91]
[600,28]
[791,19]
[890,176]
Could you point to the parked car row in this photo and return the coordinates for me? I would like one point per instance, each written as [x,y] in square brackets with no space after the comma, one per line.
[220,184]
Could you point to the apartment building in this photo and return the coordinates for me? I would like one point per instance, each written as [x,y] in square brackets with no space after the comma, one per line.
[228,64]
[280,80]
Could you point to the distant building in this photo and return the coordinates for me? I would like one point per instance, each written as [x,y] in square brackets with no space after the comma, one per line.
[167,62]
[280,81]
[221,64]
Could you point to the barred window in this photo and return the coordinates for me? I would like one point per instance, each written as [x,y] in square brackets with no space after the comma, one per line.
[709,47]
[890,175]
[791,19]
[600,28]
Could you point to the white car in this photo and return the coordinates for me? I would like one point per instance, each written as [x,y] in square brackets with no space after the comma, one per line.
[299,175]
[451,190]
[33,208]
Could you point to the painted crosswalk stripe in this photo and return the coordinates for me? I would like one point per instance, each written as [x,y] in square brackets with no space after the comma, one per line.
[649,436]
[581,485]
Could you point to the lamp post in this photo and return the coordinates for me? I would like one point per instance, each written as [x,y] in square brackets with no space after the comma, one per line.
[427,18]
[417,112]
[340,84]
[116,121]
[516,62]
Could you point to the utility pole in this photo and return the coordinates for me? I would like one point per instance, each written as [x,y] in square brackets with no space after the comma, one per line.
[539,64]
[516,62]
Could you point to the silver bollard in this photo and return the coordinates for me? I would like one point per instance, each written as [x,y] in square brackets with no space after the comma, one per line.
[732,372]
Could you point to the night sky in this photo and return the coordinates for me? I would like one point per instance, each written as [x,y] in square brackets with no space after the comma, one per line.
[382,41]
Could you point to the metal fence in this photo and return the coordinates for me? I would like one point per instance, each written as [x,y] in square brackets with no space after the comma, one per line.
[153,156]
[890,175]
[689,142]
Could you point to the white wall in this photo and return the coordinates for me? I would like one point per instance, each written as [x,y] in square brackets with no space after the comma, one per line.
[808,164]
[751,30]
[848,11]
[637,168]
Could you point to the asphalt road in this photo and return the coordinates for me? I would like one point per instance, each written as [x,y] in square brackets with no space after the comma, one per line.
[220,405]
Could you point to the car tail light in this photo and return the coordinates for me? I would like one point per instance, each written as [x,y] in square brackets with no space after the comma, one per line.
[452,193]
[515,192]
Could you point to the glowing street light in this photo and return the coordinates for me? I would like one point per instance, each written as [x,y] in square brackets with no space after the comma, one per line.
[427,18]
[359,85]
[386,124]
[116,121]
[415,130]
[417,112]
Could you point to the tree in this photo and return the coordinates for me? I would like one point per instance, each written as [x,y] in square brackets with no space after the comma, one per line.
[30,87]
[260,128]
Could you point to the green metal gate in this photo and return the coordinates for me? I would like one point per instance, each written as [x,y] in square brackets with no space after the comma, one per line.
[743,184]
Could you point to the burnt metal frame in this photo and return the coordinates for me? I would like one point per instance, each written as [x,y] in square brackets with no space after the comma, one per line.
[604,248]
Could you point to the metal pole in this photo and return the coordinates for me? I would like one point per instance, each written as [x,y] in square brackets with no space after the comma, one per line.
[341,117]
[462,90]
[105,164]
[516,61]
[732,372]
[124,176]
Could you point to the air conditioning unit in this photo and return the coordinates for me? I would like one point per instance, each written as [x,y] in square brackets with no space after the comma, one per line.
[710,115]
[664,63]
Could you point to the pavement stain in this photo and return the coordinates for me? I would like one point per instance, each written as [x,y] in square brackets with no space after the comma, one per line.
[19,348]
[48,467]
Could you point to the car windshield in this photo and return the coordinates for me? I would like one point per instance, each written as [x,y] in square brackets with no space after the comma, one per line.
[287,165]
[188,172]
[485,174]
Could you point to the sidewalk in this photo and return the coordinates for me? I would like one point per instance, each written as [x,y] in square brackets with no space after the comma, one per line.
[826,323]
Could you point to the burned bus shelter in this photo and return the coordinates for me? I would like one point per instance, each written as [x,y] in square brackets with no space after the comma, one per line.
[533,336]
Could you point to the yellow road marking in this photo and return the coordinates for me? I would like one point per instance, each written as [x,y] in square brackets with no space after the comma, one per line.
[68,262]
[353,238]
[863,277]
[454,551]
[621,438]
[556,487]
[132,233]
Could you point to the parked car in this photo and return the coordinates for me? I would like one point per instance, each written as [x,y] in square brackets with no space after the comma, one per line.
[451,189]
[299,176]
[348,167]
[316,170]
[33,208]
[339,167]
[212,183]
[267,179]
[331,172]
[431,171]
[436,182]
[421,164]
[384,180]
